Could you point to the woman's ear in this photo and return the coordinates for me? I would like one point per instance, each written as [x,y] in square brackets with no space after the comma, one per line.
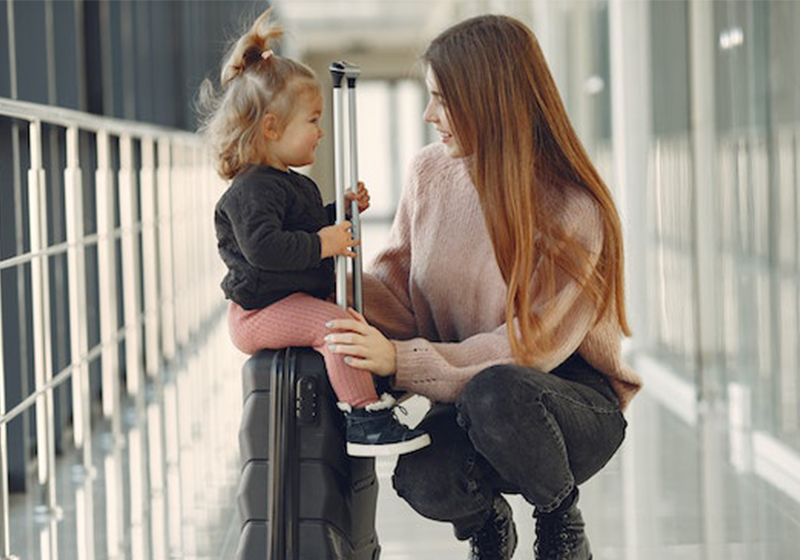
[271,127]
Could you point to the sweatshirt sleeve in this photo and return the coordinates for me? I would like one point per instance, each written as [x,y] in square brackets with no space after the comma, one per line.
[258,229]
[440,370]
[330,213]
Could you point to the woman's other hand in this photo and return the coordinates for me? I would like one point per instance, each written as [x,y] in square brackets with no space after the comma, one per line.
[363,345]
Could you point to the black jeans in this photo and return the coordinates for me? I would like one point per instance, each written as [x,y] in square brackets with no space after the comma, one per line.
[512,430]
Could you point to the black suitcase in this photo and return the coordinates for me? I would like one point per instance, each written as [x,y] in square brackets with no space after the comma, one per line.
[301,497]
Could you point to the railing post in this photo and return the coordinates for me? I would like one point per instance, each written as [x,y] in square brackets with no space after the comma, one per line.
[76,270]
[180,235]
[42,345]
[165,248]
[5,536]
[107,280]
[150,266]
[131,291]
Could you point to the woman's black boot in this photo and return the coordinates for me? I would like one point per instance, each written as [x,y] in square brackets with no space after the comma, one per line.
[560,535]
[497,539]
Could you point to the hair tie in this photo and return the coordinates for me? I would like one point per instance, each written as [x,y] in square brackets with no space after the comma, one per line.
[267,54]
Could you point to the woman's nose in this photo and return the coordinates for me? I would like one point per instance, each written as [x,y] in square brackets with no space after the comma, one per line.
[428,114]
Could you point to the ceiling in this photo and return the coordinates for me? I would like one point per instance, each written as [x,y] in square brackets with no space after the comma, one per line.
[316,26]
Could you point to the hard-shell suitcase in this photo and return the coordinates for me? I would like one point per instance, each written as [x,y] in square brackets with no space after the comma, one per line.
[300,496]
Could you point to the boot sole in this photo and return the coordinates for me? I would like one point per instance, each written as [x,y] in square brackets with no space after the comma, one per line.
[399,448]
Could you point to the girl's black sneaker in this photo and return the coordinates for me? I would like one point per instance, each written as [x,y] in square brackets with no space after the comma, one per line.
[375,431]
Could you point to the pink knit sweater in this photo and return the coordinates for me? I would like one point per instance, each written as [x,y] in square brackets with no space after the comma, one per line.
[437,292]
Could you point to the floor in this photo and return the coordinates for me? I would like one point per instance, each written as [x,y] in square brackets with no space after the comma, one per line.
[165,487]
[682,487]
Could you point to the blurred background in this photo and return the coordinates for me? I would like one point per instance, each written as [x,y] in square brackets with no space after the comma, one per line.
[121,395]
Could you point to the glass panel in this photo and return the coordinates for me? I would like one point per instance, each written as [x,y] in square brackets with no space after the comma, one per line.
[758,111]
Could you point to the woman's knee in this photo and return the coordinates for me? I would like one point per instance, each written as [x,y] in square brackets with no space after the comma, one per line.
[422,487]
[496,392]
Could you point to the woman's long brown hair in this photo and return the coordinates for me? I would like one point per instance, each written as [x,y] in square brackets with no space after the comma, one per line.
[507,116]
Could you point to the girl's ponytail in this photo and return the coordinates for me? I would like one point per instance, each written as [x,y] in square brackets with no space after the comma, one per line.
[247,51]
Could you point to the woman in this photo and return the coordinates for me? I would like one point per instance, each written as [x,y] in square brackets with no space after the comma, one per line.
[500,297]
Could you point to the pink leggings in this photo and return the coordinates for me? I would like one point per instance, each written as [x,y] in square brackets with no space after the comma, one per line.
[299,320]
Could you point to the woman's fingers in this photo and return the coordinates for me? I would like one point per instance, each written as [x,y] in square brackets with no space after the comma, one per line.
[358,316]
[348,325]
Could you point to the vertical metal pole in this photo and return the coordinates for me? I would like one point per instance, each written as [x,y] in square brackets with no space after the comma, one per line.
[5,536]
[150,256]
[156,470]
[167,303]
[631,104]
[337,74]
[43,360]
[76,270]
[181,244]
[706,267]
[107,281]
[704,176]
[352,74]
[130,270]
[172,443]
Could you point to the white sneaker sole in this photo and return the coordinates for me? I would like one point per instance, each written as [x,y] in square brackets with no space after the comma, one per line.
[363,450]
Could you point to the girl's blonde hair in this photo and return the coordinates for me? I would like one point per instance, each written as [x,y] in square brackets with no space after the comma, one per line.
[253,82]
[508,117]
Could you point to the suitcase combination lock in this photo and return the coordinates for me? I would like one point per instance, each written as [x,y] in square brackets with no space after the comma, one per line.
[306,403]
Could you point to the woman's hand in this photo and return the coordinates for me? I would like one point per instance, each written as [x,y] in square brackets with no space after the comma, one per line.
[364,346]
[361,195]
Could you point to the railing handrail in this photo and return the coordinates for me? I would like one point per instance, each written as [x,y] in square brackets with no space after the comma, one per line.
[61,116]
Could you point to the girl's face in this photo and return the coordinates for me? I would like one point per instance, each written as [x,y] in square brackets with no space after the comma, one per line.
[436,114]
[294,146]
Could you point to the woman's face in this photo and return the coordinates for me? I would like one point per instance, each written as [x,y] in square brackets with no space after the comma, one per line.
[436,114]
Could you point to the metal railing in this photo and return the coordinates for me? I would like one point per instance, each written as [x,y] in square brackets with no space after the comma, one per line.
[153,191]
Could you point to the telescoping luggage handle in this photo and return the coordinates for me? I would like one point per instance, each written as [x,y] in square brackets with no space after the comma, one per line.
[341,71]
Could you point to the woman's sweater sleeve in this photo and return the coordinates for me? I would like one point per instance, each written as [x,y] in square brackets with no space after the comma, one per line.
[440,370]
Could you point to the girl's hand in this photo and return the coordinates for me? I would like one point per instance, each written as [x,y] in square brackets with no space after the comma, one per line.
[364,346]
[361,195]
[337,240]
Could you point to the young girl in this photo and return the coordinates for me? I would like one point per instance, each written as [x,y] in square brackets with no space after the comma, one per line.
[274,233]
[523,360]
